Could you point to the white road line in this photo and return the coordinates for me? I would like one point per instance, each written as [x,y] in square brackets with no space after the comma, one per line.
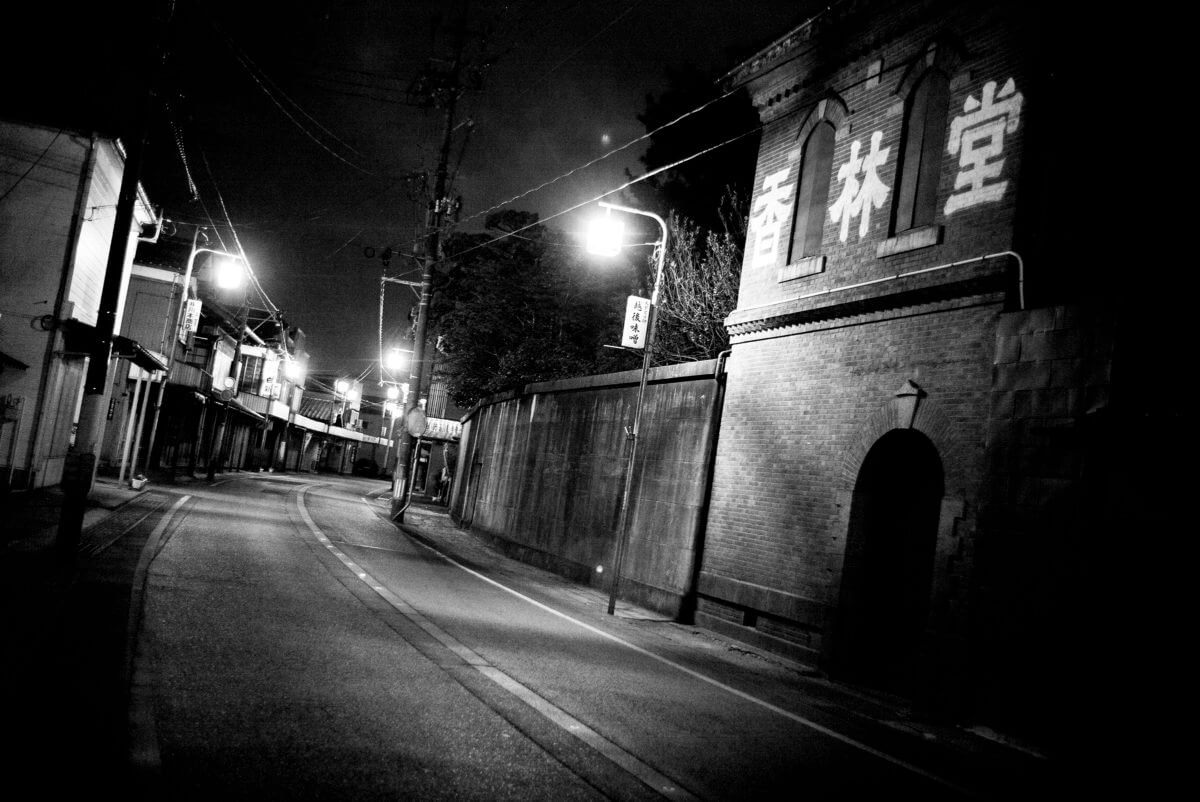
[845,739]
[704,678]
[630,763]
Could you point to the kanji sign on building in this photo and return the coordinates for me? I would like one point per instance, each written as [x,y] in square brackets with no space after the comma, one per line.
[772,208]
[191,318]
[859,196]
[977,138]
[637,319]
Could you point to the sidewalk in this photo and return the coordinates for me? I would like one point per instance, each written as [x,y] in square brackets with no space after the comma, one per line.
[64,622]
[31,516]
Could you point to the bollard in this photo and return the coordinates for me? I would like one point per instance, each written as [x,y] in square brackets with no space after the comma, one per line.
[76,484]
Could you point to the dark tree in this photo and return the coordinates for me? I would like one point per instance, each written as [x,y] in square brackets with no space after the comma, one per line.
[699,287]
[698,188]
[706,200]
[513,306]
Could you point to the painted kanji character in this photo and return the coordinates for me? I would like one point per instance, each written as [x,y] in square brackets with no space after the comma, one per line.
[859,197]
[977,138]
[771,209]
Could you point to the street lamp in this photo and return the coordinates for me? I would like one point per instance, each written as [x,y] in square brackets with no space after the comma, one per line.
[294,372]
[228,271]
[344,389]
[346,393]
[605,238]
[229,276]
[397,359]
[391,409]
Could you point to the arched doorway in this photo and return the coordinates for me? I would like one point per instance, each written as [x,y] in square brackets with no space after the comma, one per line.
[887,572]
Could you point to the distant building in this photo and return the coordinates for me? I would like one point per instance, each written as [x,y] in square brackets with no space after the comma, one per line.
[920,422]
[237,395]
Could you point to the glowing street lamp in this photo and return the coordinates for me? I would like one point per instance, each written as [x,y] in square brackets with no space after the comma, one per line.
[344,390]
[605,238]
[229,272]
[397,359]
[391,408]
[232,268]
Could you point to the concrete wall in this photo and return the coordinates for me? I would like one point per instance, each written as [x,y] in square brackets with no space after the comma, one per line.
[542,474]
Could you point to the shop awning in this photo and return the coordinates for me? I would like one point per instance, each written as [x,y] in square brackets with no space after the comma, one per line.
[80,339]
[125,348]
[245,410]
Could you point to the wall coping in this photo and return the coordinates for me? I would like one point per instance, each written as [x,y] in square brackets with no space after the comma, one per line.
[658,375]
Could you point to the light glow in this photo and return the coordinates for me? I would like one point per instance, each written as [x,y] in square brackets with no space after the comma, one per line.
[605,235]
[396,360]
[229,273]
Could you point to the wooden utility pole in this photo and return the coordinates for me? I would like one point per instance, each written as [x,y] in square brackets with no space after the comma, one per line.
[437,86]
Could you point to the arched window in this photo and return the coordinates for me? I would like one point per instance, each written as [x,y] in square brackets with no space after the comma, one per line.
[812,198]
[924,141]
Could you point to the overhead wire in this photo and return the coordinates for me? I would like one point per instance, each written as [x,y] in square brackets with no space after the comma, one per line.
[259,77]
[583,46]
[271,307]
[657,171]
[602,195]
[642,138]
[545,184]
[36,162]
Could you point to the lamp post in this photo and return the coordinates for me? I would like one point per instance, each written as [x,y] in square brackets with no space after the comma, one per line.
[391,409]
[294,375]
[216,451]
[341,390]
[604,239]
[228,278]
[179,317]
[347,392]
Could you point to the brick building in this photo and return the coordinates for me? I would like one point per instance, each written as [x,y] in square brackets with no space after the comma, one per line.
[924,417]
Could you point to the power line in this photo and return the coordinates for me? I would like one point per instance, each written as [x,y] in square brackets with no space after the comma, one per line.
[36,162]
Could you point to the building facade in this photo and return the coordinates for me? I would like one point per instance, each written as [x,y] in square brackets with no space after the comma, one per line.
[919,369]
[233,393]
[58,192]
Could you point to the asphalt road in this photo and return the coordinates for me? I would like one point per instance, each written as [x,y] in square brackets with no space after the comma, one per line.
[295,644]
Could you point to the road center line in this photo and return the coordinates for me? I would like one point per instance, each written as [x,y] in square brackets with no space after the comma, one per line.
[627,761]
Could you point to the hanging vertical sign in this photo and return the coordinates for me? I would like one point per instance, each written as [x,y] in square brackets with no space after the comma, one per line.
[191,319]
[637,319]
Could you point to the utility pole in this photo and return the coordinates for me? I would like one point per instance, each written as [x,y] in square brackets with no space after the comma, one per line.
[436,87]
[96,389]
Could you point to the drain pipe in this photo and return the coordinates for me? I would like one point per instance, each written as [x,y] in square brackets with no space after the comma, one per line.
[947,266]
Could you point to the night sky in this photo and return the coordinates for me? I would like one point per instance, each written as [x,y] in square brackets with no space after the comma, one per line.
[292,121]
